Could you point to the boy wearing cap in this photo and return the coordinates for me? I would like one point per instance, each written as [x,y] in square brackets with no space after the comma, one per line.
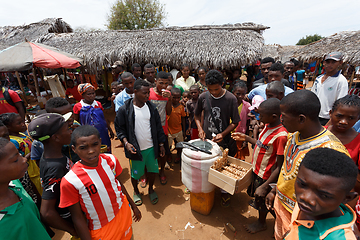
[330,86]
[53,131]
[118,68]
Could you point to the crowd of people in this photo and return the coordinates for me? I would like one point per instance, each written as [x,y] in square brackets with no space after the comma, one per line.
[58,171]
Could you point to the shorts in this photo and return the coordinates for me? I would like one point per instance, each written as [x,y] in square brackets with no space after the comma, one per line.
[118,228]
[259,202]
[149,161]
[178,136]
[282,220]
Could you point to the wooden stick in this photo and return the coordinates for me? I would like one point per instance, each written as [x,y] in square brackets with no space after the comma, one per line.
[352,79]
[64,71]
[21,87]
[36,83]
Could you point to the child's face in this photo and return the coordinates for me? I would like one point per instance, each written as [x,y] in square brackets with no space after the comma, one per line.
[169,87]
[318,196]
[115,89]
[344,117]
[239,94]
[264,116]
[215,89]
[289,121]
[194,94]
[202,74]
[63,135]
[129,84]
[18,125]
[12,164]
[176,98]
[120,87]
[4,133]
[161,84]
[70,84]
[89,96]
[185,72]
[88,149]
[185,97]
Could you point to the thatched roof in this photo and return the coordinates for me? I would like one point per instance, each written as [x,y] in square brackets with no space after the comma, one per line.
[347,42]
[278,52]
[225,46]
[11,35]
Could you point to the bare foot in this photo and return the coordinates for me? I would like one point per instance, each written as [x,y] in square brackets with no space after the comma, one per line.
[255,227]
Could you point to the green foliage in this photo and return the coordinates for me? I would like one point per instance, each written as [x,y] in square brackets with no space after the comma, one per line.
[136,14]
[309,39]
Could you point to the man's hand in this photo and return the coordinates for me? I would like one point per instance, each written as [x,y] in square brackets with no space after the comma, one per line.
[130,148]
[269,200]
[166,94]
[162,151]
[218,138]
[202,134]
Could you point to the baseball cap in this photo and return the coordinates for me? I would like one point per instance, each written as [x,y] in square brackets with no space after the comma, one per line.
[337,56]
[117,63]
[47,124]
[256,101]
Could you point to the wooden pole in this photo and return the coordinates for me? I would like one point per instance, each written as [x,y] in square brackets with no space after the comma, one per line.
[64,71]
[36,83]
[21,87]
[106,83]
[352,79]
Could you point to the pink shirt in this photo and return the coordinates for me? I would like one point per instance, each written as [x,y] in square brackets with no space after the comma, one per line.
[241,127]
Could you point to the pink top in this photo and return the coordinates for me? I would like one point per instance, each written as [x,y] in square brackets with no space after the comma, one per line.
[241,127]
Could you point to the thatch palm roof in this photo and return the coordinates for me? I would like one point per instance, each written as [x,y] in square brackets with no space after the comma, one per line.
[347,42]
[11,35]
[278,52]
[225,46]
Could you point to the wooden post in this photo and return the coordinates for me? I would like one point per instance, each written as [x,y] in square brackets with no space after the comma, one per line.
[21,87]
[64,71]
[351,79]
[106,83]
[36,83]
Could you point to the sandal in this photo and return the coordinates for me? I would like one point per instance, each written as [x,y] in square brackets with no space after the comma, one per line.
[187,191]
[137,199]
[225,200]
[143,183]
[163,180]
[153,198]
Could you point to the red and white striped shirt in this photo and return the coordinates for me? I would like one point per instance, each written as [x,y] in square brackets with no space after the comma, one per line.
[96,188]
[271,143]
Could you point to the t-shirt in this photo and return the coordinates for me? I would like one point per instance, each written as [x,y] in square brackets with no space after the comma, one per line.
[96,189]
[52,170]
[329,91]
[73,91]
[185,83]
[190,105]
[143,127]
[300,74]
[243,110]
[224,108]
[5,107]
[121,98]
[203,88]
[22,143]
[22,219]
[77,107]
[174,120]
[339,228]
[294,153]
[261,90]
[160,103]
[271,143]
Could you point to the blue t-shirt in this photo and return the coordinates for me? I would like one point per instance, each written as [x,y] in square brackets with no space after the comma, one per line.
[261,90]
[120,99]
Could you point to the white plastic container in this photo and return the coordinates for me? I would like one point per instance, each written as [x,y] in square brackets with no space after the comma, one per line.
[195,166]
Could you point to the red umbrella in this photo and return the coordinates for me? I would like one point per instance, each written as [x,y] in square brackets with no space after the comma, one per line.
[26,55]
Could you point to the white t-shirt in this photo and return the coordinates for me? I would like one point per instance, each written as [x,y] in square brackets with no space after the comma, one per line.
[143,127]
[329,91]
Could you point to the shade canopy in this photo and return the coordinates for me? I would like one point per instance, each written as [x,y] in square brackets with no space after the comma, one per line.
[26,55]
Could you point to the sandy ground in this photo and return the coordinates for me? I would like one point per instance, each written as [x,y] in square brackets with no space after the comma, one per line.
[168,218]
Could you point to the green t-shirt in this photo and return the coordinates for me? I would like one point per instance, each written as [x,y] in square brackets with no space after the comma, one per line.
[22,219]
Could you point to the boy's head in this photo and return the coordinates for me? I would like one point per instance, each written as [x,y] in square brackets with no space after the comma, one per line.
[128,82]
[162,81]
[87,91]
[275,89]
[12,164]
[149,72]
[115,88]
[136,70]
[86,143]
[61,106]
[70,83]
[186,96]
[239,90]
[214,81]
[4,132]
[324,181]
[288,69]
[176,95]
[299,110]
[276,72]
[14,122]
[51,128]
[265,66]
[269,111]
[194,92]
[142,91]
[236,74]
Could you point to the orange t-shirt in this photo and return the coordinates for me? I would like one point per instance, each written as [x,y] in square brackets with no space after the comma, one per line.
[174,120]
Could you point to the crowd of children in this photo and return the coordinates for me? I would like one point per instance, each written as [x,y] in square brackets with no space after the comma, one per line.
[302,173]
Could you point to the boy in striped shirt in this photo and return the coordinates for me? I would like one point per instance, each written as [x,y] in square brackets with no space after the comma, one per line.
[93,186]
[267,158]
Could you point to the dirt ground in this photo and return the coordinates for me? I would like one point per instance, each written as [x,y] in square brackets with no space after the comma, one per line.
[168,218]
